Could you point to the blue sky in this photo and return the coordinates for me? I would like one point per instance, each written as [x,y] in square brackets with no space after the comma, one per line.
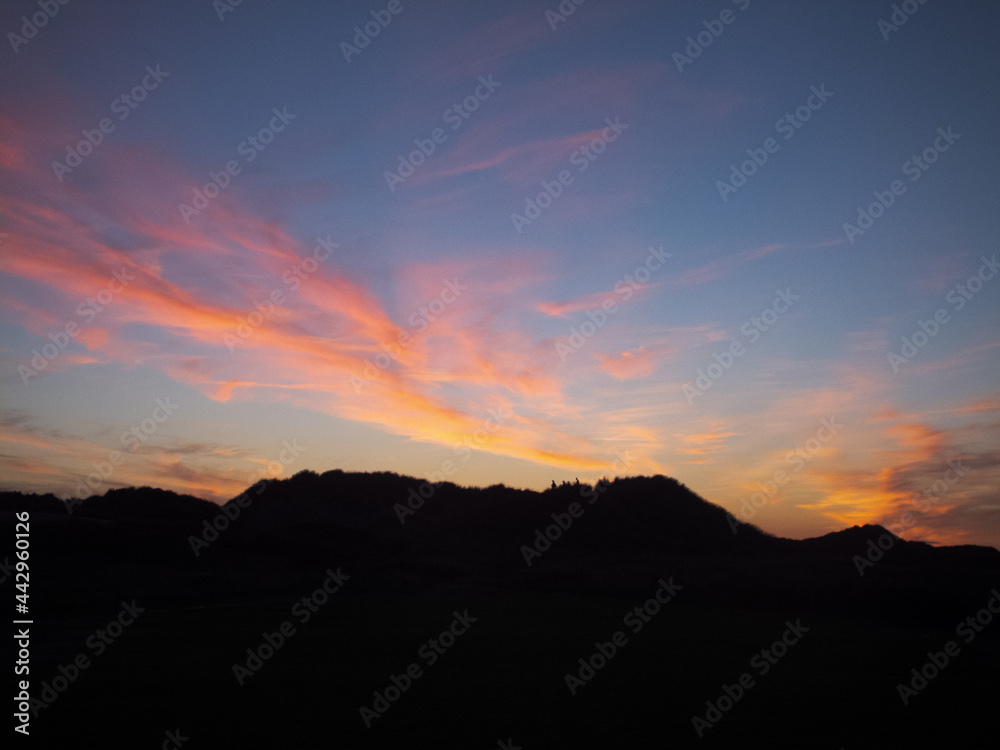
[487,304]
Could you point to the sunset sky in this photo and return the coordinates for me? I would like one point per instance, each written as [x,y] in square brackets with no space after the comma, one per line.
[298,246]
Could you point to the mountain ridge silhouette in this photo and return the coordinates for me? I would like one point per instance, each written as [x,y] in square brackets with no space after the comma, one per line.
[339,496]
[214,579]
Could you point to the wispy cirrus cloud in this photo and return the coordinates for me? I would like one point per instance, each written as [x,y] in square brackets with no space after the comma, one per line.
[716,269]
[308,348]
[915,475]
[521,164]
[567,307]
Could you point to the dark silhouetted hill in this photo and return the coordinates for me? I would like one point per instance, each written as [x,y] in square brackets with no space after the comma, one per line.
[216,580]
[628,529]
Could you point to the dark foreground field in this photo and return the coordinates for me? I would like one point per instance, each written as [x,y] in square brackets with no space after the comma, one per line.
[501,682]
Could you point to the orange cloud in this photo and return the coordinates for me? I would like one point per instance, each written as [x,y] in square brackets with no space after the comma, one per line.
[314,349]
[628,365]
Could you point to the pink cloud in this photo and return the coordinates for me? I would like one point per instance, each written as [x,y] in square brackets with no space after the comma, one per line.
[628,365]
[309,347]
[583,303]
